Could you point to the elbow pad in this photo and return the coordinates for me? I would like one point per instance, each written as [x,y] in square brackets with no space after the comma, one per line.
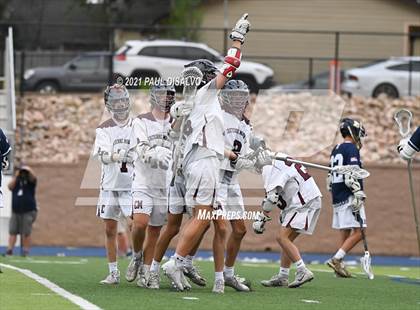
[352,183]
[270,201]
[232,62]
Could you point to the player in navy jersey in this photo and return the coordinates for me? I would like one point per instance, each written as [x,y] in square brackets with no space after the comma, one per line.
[4,151]
[347,193]
[408,147]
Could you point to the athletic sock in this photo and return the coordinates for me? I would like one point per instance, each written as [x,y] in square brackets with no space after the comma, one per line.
[284,272]
[113,267]
[138,255]
[229,271]
[155,266]
[340,254]
[300,264]
[146,267]
[188,261]
[218,275]
[179,260]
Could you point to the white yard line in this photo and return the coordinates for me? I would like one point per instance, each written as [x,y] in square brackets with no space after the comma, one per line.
[77,300]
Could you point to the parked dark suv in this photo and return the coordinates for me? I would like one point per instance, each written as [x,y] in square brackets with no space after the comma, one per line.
[87,72]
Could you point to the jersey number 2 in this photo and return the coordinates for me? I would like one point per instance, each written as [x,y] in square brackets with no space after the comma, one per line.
[337,160]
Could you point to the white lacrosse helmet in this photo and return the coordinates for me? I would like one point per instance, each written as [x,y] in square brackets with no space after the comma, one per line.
[117,102]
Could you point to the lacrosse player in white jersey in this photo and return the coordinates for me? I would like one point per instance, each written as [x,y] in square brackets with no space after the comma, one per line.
[112,149]
[233,98]
[150,180]
[289,187]
[203,149]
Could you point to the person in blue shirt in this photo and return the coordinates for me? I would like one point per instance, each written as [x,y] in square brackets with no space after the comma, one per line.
[5,149]
[347,193]
[409,146]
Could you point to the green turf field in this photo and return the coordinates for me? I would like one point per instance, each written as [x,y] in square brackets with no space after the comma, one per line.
[81,277]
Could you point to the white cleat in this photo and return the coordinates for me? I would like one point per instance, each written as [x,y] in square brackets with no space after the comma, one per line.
[185,283]
[112,278]
[219,286]
[143,277]
[133,268]
[174,274]
[154,281]
[302,277]
[276,281]
[236,283]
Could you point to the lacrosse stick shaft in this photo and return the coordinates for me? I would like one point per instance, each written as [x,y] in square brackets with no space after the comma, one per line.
[413,201]
[362,230]
[290,160]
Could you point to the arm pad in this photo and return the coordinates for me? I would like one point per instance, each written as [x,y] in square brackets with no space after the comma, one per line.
[352,183]
[232,62]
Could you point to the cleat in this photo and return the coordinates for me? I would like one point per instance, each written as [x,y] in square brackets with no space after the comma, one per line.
[192,273]
[174,274]
[236,283]
[185,283]
[133,268]
[276,281]
[302,277]
[143,277]
[154,281]
[338,266]
[112,278]
[219,286]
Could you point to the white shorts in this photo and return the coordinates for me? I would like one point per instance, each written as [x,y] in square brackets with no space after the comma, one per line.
[201,178]
[155,207]
[302,219]
[343,218]
[229,196]
[112,204]
[177,192]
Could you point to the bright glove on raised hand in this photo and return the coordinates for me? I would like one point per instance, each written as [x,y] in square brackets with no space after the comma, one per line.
[405,150]
[240,30]
[181,109]
[358,200]
[259,224]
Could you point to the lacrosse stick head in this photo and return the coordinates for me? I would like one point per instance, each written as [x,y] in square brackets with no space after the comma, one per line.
[403,119]
[353,170]
[191,77]
[366,265]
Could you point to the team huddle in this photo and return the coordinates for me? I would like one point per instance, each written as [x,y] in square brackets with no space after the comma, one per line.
[185,158]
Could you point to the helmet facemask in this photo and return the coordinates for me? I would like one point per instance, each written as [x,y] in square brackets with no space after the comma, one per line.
[117,102]
[234,101]
[162,97]
[357,132]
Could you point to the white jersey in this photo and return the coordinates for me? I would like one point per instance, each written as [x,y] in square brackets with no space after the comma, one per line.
[297,186]
[147,129]
[236,137]
[110,138]
[204,125]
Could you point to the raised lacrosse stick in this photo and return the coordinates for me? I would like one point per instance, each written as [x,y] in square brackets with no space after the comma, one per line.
[353,170]
[365,261]
[192,77]
[403,119]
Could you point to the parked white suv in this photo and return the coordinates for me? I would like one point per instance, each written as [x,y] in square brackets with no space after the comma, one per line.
[166,59]
[391,77]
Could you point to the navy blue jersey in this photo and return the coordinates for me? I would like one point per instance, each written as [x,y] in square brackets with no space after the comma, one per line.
[343,154]
[4,148]
[414,141]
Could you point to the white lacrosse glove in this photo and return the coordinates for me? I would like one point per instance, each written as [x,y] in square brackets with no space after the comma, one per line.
[329,182]
[181,109]
[405,150]
[156,156]
[263,159]
[240,30]
[123,156]
[243,163]
[259,224]
[358,200]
